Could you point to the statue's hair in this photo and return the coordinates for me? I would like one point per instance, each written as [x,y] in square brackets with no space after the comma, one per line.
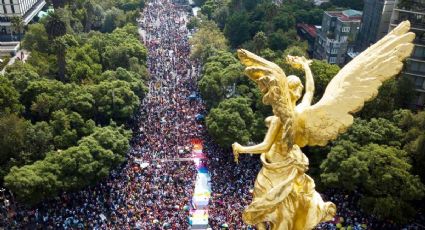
[282,105]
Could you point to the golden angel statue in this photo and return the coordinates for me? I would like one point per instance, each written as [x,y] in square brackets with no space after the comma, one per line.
[284,196]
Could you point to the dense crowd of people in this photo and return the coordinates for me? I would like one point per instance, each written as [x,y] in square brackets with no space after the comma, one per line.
[154,187]
[231,185]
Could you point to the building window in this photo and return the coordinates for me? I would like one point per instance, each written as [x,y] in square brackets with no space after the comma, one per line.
[420,100]
[416,66]
[419,52]
[332,60]
[334,51]
[420,82]
[346,29]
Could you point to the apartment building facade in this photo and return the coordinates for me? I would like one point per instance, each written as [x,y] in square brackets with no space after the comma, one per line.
[24,9]
[375,22]
[414,11]
[337,36]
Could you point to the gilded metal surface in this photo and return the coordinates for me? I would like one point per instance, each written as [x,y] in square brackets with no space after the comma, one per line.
[284,196]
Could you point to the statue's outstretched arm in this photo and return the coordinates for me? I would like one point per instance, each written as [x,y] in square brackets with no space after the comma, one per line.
[303,62]
[309,85]
[274,127]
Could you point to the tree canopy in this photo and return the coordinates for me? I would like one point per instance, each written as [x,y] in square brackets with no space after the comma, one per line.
[63,113]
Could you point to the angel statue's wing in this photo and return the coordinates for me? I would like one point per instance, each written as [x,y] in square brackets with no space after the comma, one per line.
[355,84]
[270,78]
[273,84]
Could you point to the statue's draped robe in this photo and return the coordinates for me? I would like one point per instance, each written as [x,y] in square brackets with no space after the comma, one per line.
[284,192]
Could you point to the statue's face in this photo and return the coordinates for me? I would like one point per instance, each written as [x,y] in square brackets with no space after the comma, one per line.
[297,93]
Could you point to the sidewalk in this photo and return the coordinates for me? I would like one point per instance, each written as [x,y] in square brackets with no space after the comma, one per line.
[20,55]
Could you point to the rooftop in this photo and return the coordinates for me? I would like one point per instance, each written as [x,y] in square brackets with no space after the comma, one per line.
[346,15]
[310,29]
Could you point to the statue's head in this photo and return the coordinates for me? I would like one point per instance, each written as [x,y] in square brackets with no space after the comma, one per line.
[296,87]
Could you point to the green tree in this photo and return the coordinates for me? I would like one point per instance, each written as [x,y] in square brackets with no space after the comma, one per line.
[382,174]
[114,100]
[21,74]
[55,26]
[12,137]
[83,64]
[44,96]
[31,183]
[377,130]
[413,124]
[9,98]
[207,39]
[58,3]
[193,23]
[211,89]
[368,159]
[89,7]
[17,25]
[284,21]
[259,42]
[357,5]
[279,40]
[134,79]
[323,74]
[21,142]
[208,8]
[68,128]
[221,72]
[237,29]
[119,48]
[296,50]
[61,44]
[230,120]
[38,142]
[98,17]
[221,13]
[393,95]
[82,102]
[44,64]
[114,18]
[70,169]
[36,38]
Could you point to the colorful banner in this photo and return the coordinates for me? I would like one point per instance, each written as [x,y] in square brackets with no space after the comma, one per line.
[202,194]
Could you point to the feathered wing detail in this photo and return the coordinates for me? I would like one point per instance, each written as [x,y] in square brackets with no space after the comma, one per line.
[357,83]
[273,83]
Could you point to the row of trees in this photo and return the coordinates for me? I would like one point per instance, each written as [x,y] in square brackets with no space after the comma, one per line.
[85,15]
[63,113]
[380,159]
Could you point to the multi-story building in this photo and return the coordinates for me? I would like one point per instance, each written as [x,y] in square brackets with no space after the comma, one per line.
[375,21]
[414,11]
[23,9]
[337,35]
